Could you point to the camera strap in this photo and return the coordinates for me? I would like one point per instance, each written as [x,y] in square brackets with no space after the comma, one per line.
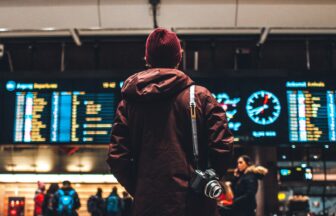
[194,125]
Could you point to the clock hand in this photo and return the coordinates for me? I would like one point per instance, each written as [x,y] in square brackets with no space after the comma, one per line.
[257,110]
[263,109]
[265,101]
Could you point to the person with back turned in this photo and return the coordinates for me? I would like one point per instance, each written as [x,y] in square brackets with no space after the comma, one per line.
[38,199]
[66,200]
[161,120]
[48,207]
[126,204]
[96,203]
[113,203]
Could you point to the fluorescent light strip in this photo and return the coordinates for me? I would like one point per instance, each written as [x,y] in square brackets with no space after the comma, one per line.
[50,178]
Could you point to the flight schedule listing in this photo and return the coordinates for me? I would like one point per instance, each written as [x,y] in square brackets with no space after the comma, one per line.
[63,117]
[311,115]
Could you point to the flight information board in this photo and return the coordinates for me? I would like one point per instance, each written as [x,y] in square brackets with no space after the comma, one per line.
[69,111]
[81,111]
[311,112]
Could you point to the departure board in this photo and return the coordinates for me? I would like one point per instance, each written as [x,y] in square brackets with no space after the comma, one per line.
[311,112]
[81,111]
[61,112]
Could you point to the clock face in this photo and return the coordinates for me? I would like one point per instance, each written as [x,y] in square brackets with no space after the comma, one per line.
[263,107]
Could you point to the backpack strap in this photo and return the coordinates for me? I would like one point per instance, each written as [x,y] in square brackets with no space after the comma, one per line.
[61,192]
[72,192]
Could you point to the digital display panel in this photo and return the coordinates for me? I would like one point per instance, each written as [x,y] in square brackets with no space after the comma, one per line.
[81,111]
[254,108]
[311,112]
[295,174]
[68,111]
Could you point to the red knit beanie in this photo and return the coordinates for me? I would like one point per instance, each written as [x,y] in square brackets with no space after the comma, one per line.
[163,49]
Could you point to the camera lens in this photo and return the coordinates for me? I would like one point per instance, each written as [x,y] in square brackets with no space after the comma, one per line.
[213,189]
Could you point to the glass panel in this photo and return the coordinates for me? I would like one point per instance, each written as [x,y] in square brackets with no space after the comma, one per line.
[284,164]
[316,190]
[318,170]
[316,205]
[300,190]
[331,190]
[331,170]
[331,205]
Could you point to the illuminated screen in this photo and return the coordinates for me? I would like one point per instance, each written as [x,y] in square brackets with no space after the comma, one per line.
[311,112]
[67,111]
[295,173]
[278,111]
[254,108]
[81,111]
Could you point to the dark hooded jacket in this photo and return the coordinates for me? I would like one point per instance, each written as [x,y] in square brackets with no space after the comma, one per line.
[151,143]
[245,188]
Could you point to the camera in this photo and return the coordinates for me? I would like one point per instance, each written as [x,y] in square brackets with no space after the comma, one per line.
[206,182]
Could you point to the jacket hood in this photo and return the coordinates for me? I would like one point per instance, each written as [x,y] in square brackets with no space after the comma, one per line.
[259,171]
[155,84]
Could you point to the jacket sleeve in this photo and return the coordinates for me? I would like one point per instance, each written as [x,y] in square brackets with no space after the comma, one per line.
[119,158]
[220,138]
[77,201]
[251,186]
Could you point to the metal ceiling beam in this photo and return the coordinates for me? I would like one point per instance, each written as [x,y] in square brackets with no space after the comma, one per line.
[54,32]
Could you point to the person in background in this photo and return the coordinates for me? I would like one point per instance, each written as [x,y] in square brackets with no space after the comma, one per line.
[113,203]
[298,205]
[95,204]
[48,208]
[66,200]
[245,186]
[39,186]
[38,199]
[127,202]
